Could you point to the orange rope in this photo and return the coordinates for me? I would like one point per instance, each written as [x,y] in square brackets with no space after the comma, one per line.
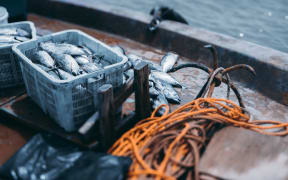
[169,146]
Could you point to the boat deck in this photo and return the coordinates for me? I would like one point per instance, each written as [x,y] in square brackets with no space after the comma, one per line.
[233,153]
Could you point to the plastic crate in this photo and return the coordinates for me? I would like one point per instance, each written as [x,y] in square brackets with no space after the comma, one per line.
[69,102]
[10,72]
[3,15]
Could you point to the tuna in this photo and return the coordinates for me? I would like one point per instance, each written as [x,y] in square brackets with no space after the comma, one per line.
[63,48]
[91,67]
[81,60]
[43,58]
[162,76]
[168,61]
[159,100]
[14,32]
[67,63]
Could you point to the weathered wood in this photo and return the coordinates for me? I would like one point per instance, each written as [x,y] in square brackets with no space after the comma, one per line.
[87,130]
[237,153]
[124,93]
[107,115]
[12,138]
[141,85]
[8,94]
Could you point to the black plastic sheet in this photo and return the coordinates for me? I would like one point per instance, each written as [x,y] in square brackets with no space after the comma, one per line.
[48,157]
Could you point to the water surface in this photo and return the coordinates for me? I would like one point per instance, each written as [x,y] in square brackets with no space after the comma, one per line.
[263,22]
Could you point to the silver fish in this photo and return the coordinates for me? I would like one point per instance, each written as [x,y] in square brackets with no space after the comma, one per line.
[63,48]
[44,68]
[8,39]
[134,59]
[129,73]
[42,57]
[64,75]
[87,51]
[159,100]
[165,78]
[153,92]
[153,66]
[67,63]
[127,65]
[53,74]
[168,61]
[14,32]
[118,49]
[170,94]
[124,79]
[47,70]
[91,67]
[151,84]
[81,60]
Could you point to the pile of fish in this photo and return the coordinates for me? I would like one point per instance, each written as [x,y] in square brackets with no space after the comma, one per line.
[161,84]
[63,61]
[13,35]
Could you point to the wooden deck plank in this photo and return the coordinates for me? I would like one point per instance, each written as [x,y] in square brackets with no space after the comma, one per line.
[236,153]
[12,137]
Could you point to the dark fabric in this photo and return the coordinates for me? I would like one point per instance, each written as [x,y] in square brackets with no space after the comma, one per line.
[49,157]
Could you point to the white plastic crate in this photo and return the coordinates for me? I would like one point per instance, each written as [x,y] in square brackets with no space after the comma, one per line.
[10,72]
[69,102]
[3,15]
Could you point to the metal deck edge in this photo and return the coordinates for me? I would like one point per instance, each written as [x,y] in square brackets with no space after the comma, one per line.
[271,65]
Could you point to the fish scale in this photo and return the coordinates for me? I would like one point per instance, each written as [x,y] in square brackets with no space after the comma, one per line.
[67,63]
[43,58]
[168,61]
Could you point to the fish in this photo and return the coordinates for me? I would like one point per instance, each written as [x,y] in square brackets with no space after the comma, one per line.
[153,92]
[63,48]
[118,49]
[81,60]
[170,94]
[91,67]
[47,70]
[129,73]
[168,61]
[44,68]
[8,39]
[159,100]
[165,78]
[14,32]
[151,84]
[87,51]
[153,66]
[127,65]
[43,58]
[64,75]
[67,63]
[134,59]
[97,59]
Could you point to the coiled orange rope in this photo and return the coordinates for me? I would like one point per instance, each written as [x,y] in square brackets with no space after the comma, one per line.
[168,147]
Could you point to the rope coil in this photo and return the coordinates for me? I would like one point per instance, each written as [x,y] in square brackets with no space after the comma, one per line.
[168,147]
